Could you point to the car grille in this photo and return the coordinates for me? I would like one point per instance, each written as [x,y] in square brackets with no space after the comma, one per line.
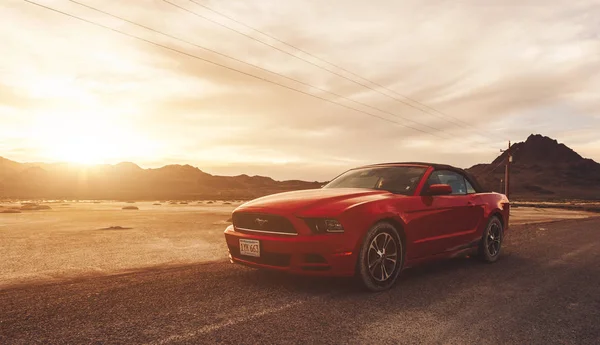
[271,259]
[256,222]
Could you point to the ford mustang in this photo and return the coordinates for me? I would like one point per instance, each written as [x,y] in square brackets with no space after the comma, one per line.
[371,222]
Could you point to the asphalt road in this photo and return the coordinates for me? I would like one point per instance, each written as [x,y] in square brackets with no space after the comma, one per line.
[544,290]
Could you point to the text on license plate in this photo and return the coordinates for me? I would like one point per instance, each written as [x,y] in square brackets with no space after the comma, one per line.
[250,247]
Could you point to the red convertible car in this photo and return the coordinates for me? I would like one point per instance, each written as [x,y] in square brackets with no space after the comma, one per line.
[371,222]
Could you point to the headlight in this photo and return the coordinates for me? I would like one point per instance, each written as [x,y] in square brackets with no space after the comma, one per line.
[321,226]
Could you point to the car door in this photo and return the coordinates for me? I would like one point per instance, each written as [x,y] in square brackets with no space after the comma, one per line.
[442,222]
[476,211]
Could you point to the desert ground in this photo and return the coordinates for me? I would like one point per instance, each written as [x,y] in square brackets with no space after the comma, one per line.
[75,238]
[67,275]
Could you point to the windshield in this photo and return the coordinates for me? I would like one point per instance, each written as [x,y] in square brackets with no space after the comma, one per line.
[398,179]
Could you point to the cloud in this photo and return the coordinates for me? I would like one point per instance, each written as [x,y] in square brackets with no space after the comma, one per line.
[504,70]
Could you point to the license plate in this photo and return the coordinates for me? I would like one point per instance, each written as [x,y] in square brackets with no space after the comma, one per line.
[250,247]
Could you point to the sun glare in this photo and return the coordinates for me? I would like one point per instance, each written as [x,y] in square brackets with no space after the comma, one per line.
[83,150]
[89,138]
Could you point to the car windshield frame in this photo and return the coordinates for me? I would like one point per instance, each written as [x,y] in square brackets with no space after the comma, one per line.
[382,178]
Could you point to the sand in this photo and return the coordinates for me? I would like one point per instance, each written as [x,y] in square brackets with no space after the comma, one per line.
[84,238]
[100,238]
[528,215]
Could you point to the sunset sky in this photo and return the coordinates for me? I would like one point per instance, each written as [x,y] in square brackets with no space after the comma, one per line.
[70,91]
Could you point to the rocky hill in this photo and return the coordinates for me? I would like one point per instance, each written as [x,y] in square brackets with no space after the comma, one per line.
[129,181]
[542,169]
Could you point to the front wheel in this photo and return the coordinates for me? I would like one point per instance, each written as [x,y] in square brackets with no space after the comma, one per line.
[491,241]
[381,257]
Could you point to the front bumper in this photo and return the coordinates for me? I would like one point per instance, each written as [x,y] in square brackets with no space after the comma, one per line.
[323,255]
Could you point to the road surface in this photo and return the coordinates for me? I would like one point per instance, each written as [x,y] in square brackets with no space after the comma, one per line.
[544,290]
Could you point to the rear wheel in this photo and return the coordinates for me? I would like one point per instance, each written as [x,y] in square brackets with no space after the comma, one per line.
[381,257]
[491,241]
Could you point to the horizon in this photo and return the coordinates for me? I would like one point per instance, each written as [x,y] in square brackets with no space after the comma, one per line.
[242,173]
[480,75]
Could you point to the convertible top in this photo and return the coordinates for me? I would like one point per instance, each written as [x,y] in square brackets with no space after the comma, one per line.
[478,188]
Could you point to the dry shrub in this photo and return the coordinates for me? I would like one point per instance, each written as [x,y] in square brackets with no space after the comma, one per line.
[10,210]
[130,208]
[34,207]
[115,228]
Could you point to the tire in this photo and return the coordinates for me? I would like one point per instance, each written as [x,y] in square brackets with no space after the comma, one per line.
[491,241]
[376,269]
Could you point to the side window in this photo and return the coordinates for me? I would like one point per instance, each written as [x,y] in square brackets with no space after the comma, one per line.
[470,189]
[455,180]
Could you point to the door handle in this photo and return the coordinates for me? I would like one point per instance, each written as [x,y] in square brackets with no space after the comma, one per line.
[470,204]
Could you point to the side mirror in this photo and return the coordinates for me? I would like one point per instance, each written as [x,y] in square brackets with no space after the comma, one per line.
[439,189]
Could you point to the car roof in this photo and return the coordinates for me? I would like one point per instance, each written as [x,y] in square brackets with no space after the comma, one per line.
[435,166]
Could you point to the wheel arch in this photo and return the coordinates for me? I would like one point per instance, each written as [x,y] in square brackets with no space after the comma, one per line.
[397,223]
[399,227]
[498,213]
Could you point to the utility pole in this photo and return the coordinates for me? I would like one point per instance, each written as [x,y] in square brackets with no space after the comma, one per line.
[507,171]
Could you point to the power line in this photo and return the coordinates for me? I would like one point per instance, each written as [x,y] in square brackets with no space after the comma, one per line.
[305,60]
[332,64]
[243,62]
[441,114]
[489,172]
[227,67]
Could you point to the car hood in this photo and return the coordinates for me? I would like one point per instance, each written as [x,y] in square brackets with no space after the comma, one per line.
[328,200]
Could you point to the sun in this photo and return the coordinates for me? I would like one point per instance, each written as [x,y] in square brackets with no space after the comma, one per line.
[88,150]
[88,138]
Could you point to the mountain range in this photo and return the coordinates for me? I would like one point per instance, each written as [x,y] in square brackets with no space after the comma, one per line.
[541,169]
[125,181]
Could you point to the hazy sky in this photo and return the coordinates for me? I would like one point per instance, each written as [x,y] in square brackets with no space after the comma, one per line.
[70,91]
